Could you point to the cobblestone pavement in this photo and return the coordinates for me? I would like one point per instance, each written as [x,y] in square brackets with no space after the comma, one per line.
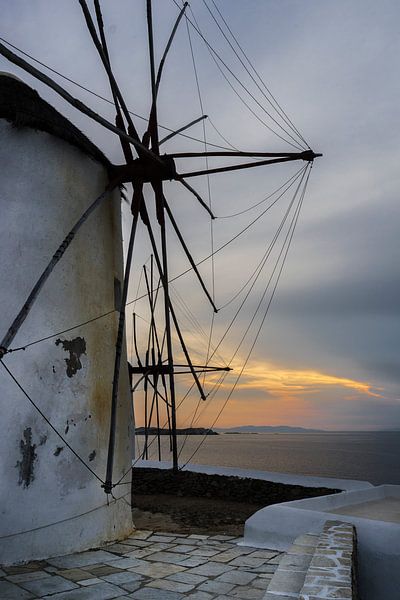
[148,566]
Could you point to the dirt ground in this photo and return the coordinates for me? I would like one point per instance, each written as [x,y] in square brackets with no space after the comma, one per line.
[188,502]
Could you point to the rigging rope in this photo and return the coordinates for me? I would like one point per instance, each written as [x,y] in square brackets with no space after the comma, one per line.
[53,335]
[49,337]
[243,287]
[221,136]
[298,209]
[199,94]
[246,210]
[215,56]
[198,331]
[283,113]
[296,141]
[219,383]
[278,110]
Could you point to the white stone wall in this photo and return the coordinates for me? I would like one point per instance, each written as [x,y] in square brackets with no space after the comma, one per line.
[50,503]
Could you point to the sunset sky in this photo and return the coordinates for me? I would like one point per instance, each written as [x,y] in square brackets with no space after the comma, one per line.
[328,353]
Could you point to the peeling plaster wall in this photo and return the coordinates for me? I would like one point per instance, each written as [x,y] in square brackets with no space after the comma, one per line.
[45,185]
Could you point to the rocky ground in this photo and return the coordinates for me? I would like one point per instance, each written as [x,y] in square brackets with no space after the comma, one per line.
[188,502]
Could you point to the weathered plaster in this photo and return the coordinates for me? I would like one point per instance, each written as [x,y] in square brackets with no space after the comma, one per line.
[75,348]
[28,456]
[45,185]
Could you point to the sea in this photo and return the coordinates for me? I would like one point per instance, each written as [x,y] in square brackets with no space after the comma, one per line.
[370,456]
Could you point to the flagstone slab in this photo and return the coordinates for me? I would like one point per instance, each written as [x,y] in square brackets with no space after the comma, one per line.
[261,583]
[21,577]
[100,591]
[99,570]
[194,561]
[157,570]
[82,559]
[155,594]
[139,543]
[122,577]
[185,577]
[125,562]
[74,574]
[141,534]
[91,581]
[13,592]
[205,551]
[167,557]
[172,586]
[48,585]
[216,587]
[131,586]
[247,593]
[236,577]
[183,548]
[161,538]
[211,569]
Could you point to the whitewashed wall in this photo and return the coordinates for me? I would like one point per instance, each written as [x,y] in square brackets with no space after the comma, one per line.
[49,503]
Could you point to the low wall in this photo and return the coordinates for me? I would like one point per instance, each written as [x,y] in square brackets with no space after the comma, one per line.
[378,540]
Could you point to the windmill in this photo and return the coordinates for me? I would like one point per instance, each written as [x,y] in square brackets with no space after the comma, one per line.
[144,164]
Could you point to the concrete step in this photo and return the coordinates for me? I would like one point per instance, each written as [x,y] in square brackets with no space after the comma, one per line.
[318,567]
[288,579]
[332,571]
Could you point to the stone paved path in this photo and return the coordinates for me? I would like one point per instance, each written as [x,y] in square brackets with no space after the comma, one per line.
[148,566]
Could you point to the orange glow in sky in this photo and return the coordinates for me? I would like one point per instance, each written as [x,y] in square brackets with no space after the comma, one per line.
[271,395]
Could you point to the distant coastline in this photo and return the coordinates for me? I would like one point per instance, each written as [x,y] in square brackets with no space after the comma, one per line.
[268,429]
[249,429]
[187,431]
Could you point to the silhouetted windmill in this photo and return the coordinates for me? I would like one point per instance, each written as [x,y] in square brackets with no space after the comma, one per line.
[144,164]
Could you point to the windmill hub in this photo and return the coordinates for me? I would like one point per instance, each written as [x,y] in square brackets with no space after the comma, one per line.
[309,155]
[145,169]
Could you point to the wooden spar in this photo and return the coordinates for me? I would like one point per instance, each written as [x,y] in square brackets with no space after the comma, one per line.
[106,63]
[118,350]
[157,79]
[196,195]
[168,312]
[147,415]
[150,291]
[245,166]
[189,256]
[135,339]
[127,150]
[168,46]
[158,192]
[23,64]
[306,155]
[164,369]
[23,313]
[173,315]
[174,133]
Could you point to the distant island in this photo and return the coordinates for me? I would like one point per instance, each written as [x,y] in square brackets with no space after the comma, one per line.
[187,431]
[268,429]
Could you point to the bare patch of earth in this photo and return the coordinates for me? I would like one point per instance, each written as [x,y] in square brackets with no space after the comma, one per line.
[187,502]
